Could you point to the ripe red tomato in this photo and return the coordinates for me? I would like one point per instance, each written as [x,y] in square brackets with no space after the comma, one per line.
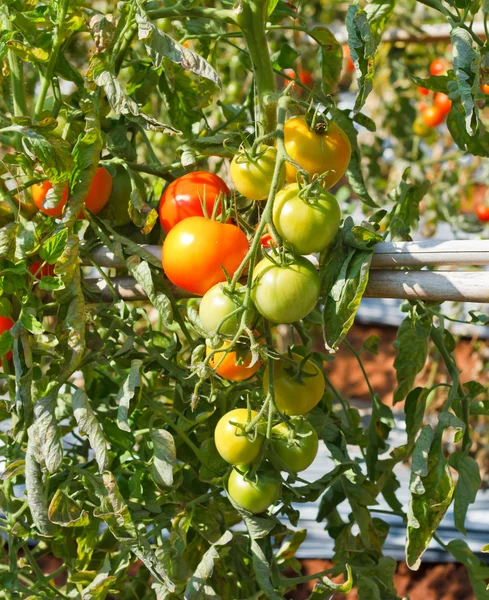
[305,77]
[438,66]
[296,446]
[316,152]
[6,323]
[482,212]
[257,493]
[443,102]
[295,396]
[423,91]
[232,443]
[197,249]
[96,199]
[235,366]
[46,271]
[433,116]
[183,198]
[350,67]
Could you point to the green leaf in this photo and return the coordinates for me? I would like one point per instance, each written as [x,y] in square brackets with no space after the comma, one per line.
[31,323]
[141,271]
[160,46]
[404,217]
[126,394]
[89,426]
[381,423]
[15,468]
[120,102]
[330,57]
[285,57]
[64,511]
[205,568]
[36,493]
[262,570]
[28,54]
[49,435]
[412,349]
[468,483]
[165,457]
[53,247]
[427,509]
[465,62]
[415,407]
[99,587]
[362,49]
[477,569]
[378,13]
[375,582]
[354,172]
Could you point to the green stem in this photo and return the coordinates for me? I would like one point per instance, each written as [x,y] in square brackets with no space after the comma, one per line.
[252,20]
[57,40]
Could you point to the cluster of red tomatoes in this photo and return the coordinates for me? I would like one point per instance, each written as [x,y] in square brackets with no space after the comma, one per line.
[436,113]
[202,251]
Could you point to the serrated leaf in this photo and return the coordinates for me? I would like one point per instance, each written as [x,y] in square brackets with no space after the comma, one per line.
[468,484]
[65,512]
[53,247]
[164,457]
[205,568]
[126,394]
[89,426]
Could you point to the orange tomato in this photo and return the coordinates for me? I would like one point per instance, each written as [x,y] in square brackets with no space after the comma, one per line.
[316,152]
[96,199]
[433,116]
[485,88]
[482,212]
[443,102]
[39,192]
[423,91]
[46,271]
[183,198]
[235,365]
[350,67]
[305,77]
[196,251]
[6,323]
[438,66]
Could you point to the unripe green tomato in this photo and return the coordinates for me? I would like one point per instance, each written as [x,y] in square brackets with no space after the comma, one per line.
[295,396]
[258,493]
[308,225]
[232,444]
[252,177]
[285,294]
[296,449]
[216,305]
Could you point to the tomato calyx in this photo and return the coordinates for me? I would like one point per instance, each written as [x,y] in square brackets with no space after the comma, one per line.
[296,370]
[317,120]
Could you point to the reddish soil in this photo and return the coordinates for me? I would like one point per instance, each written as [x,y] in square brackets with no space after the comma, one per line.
[431,582]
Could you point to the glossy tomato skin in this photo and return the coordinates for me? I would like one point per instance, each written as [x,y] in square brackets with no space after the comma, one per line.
[438,66]
[252,178]
[236,364]
[423,91]
[285,294]
[254,495]
[96,199]
[316,152]
[485,88]
[216,305]
[39,192]
[293,397]
[350,66]
[195,249]
[46,271]
[307,226]
[482,212]
[433,116]
[231,443]
[99,192]
[183,198]
[305,77]
[420,129]
[443,102]
[6,323]
[296,449]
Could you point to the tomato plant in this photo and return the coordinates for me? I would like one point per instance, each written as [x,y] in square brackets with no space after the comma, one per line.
[176,334]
